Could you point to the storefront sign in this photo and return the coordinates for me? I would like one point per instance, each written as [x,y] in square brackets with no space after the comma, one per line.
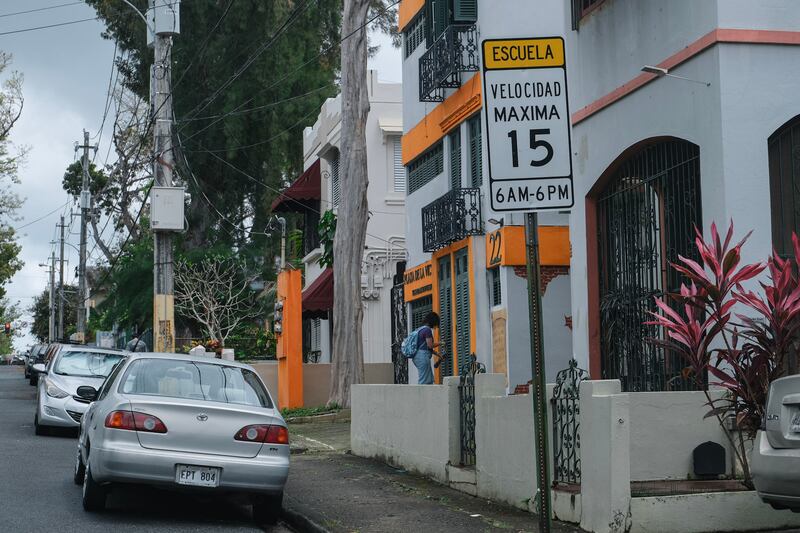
[506,246]
[418,281]
[527,124]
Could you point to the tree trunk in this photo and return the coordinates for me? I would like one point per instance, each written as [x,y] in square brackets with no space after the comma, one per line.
[351,230]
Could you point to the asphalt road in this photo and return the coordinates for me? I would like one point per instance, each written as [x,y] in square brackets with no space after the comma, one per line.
[37,492]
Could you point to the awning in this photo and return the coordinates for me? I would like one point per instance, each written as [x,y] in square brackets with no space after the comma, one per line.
[318,297]
[299,195]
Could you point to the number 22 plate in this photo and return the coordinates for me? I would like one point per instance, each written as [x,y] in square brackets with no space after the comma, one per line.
[200,476]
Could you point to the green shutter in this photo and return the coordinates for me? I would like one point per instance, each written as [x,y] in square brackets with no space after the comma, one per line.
[446,316]
[440,18]
[419,310]
[455,159]
[428,22]
[462,306]
[465,10]
[475,152]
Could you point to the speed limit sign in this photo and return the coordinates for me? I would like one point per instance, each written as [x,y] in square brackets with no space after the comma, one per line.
[527,124]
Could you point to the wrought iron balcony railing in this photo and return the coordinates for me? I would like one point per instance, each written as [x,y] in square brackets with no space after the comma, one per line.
[452,217]
[454,52]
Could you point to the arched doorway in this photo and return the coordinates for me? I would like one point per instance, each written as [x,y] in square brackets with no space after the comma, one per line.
[784,185]
[646,207]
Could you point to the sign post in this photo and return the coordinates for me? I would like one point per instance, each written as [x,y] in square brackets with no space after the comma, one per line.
[530,170]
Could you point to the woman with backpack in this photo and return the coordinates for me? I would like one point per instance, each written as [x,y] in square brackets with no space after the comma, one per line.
[424,348]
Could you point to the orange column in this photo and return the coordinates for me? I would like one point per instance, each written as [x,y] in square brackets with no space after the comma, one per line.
[290,340]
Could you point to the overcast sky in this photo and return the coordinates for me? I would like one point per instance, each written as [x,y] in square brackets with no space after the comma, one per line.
[66,72]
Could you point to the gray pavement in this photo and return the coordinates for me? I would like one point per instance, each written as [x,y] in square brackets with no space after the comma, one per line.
[37,492]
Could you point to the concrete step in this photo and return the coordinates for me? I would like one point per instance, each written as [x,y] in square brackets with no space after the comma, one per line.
[463,479]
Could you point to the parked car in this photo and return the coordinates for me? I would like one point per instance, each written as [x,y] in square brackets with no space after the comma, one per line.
[36,355]
[57,402]
[187,423]
[776,453]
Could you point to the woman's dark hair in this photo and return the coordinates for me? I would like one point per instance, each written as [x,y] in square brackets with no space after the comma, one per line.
[432,320]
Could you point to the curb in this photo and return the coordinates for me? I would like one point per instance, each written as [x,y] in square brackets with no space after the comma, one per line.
[301,522]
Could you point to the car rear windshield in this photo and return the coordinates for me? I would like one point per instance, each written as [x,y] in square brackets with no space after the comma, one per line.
[198,381]
[86,364]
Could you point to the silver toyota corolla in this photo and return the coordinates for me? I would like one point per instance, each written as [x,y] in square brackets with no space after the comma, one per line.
[58,403]
[184,423]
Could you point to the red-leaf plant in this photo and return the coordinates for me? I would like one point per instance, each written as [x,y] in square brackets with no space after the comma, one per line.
[743,357]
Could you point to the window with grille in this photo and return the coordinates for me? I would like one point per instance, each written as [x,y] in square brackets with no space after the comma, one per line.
[426,167]
[335,184]
[784,185]
[415,33]
[455,159]
[494,286]
[399,172]
[316,335]
[475,153]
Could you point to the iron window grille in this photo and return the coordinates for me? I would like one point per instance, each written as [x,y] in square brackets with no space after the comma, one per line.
[452,217]
[415,34]
[426,167]
[784,185]
[580,8]
[311,238]
[495,286]
[475,151]
[419,310]
[454,51]
[455,158]
[646,218]
[335,183]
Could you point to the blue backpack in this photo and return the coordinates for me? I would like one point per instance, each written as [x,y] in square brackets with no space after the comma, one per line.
[410,345]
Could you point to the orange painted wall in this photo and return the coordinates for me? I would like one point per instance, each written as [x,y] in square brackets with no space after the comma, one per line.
[290,342]
[408,10]
[442,119]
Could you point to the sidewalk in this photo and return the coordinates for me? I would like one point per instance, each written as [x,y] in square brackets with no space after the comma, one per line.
[339,492]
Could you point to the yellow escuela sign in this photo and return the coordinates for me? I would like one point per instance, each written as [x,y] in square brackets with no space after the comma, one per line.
[499,54]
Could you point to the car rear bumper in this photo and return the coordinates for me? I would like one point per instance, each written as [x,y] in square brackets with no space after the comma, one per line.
[264,474]
[776,472]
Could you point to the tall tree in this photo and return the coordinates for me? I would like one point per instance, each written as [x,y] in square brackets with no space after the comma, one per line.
[353,215]
[248,75]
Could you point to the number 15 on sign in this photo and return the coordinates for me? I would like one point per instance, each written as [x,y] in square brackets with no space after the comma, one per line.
[528,124]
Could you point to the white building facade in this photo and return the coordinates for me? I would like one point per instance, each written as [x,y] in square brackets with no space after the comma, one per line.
[385,244]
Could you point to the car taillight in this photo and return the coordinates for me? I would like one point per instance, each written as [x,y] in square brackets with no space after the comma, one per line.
[135,421]
[263,433]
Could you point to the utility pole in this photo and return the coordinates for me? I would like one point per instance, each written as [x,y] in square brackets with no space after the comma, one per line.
[165,20]
[60,330]
[85,207]
[52,322]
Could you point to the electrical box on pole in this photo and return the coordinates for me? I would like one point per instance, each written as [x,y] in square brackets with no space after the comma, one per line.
[166,208]
[163,18]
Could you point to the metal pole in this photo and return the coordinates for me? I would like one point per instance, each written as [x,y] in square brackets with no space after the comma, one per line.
[282,222]
[163,164]
[52,322]
[60,330]
[81,311]
[537,368]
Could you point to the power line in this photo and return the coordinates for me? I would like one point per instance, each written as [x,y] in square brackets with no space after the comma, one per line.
[39,9]
[43,216]
[48,26]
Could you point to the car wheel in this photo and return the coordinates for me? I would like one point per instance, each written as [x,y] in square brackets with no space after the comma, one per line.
[27,374]
[32,379]
[267,508]
[38,428]
[80,469]
[94,494]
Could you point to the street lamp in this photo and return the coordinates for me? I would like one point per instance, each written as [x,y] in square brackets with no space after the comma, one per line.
[664,72]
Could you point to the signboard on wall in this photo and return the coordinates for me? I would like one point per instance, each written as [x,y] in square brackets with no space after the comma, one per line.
[527,124]
[418,281]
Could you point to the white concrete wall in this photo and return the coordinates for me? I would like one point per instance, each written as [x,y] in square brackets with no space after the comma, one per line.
[407,425]
[665,428]
[385,243]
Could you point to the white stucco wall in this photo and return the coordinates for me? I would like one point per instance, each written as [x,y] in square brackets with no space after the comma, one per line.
[385,242]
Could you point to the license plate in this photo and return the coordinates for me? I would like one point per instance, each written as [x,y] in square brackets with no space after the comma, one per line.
[199,476]
[795,426]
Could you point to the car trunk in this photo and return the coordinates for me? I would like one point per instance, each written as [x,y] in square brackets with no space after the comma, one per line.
[783,413]
[197,426]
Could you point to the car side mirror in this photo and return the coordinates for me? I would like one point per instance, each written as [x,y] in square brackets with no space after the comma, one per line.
[40,368]
[87,393]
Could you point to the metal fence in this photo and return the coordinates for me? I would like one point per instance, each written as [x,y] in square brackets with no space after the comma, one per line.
[466,394]
[566,424]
